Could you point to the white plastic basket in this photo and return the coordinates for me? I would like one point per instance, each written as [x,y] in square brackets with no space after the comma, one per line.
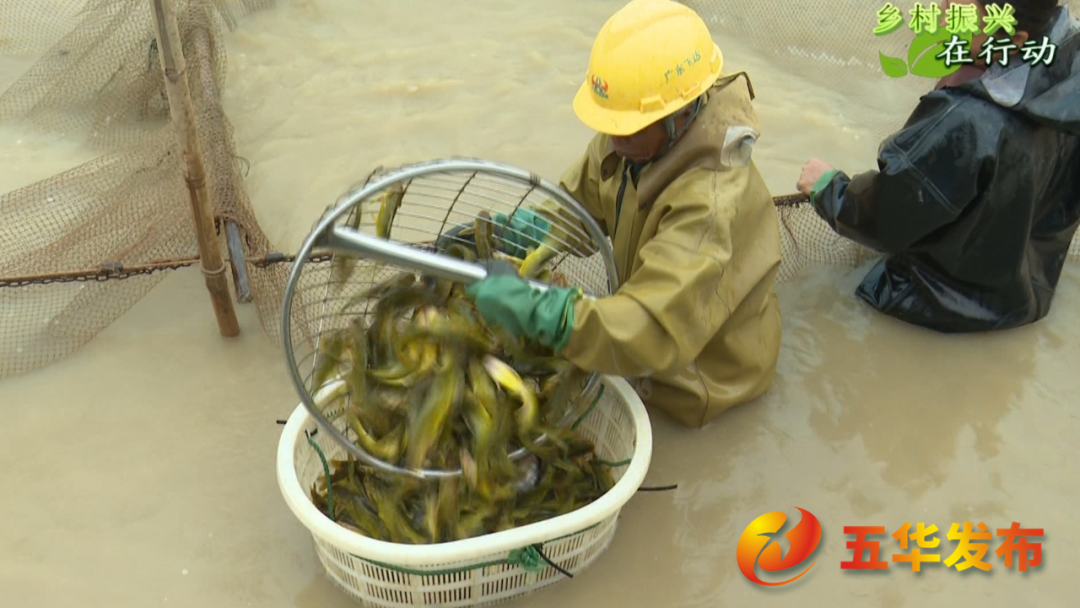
[480,570]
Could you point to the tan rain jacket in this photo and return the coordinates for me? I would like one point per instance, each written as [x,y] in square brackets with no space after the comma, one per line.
[695,323]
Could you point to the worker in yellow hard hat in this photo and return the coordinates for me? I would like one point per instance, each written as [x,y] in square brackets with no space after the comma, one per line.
[695,323]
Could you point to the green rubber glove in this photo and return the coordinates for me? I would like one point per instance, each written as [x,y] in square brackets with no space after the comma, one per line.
[526,231]
[508,301]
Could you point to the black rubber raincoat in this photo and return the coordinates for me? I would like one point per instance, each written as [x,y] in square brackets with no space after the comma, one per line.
[976,199]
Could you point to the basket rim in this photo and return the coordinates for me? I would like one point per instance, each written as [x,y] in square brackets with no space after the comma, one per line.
[318,524]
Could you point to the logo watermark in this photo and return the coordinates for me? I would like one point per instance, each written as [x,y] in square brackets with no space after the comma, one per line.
[939,49]
[758,547]
[967,554]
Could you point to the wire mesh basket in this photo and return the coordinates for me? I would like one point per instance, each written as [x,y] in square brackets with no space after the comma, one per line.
[482,570]
[437,204]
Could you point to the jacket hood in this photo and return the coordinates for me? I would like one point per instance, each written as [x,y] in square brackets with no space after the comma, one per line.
[1047,94]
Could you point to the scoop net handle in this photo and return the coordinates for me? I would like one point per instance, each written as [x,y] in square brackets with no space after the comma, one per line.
[346,240]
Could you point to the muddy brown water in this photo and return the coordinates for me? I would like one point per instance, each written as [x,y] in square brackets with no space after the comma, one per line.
[140,470]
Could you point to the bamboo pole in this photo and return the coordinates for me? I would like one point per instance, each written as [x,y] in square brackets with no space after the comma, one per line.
[217,153]
[170,52]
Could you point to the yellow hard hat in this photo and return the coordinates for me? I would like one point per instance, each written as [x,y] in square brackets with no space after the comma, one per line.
[651,58]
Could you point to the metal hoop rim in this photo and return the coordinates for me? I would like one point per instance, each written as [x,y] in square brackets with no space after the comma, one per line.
[406,173]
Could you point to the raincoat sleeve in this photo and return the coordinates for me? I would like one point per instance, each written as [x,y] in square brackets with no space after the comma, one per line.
[664,315]
[927,174]
[581,181]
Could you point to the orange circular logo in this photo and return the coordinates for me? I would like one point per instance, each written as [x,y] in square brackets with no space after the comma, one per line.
[758,547]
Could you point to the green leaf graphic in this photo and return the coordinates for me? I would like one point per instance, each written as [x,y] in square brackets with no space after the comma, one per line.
[894,68]
[924,50]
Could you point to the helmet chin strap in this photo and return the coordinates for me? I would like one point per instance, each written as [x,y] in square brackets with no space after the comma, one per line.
[673,133]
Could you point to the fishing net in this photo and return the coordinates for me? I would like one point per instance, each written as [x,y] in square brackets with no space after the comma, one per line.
[80,248]
[90,242]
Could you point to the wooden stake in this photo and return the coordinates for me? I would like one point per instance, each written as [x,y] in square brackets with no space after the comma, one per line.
[218,152]
[170,50]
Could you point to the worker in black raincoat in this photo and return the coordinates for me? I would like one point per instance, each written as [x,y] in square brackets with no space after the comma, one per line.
[976,200]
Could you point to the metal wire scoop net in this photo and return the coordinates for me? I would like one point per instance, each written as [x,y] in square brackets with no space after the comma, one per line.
[426,230]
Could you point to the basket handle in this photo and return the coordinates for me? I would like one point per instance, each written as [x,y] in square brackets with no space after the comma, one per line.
[348,241]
